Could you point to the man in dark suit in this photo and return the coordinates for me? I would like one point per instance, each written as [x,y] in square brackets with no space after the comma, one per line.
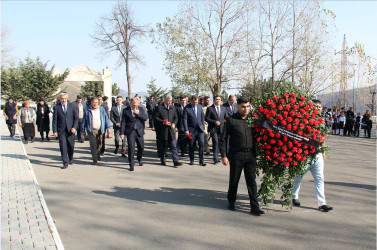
[167,118]
[193,120]
[231,106]
[116,118]
[133,125]
[80,107]
[183,139]
[64,124]
[151,104]
[215,116]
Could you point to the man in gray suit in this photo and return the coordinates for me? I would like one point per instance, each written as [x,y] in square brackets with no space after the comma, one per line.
[193,120]
[116,119]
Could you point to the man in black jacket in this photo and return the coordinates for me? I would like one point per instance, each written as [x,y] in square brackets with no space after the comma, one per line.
[182,138]
[242,155]
[167,118]
[116,119]
[80,106]
[151,105]
[215,116]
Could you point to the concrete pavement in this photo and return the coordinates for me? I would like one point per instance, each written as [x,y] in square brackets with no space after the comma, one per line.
[160,207]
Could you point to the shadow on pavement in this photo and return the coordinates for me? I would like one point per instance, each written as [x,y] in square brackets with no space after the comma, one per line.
[347,184]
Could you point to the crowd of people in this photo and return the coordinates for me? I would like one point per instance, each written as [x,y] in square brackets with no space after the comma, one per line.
[182,126]
[346,123]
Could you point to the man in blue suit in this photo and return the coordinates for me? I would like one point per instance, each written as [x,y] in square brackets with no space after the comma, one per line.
[193,121]
[215,116]
[231,106]
[64,125]
[133,125]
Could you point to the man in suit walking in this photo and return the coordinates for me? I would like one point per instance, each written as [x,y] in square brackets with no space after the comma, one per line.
[182,138]
[80,106]
[133,125]
[231,106]
[151,105]
[167,118]
[116,119]
[193,120]
[215,116]
[64,124]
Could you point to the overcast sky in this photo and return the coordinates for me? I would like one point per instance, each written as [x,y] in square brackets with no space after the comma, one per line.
[58,31]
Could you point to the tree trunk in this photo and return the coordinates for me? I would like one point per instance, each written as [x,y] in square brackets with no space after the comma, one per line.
[128,77]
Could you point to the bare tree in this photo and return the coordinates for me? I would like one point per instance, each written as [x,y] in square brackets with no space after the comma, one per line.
[119,33]
[6,49]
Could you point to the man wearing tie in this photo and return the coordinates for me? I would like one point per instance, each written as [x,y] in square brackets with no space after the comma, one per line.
[80,106]
[167,117]
[133,125]
[231,106]
[193,120]
[215,117]
[116,119]
[64,124]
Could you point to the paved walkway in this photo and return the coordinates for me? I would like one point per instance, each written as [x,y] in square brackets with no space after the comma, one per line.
[26,222]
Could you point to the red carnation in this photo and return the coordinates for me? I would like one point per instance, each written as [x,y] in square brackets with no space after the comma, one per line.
[299,150]
[315,123]
[277,135]
[312,151]
[259,139]
[272,112]
[272,135]
[275,155]
[257,130]
[254,115]
[298,157]
[292,113]
[268,158]
[268,116]
[281,159]
[275,149]
[275,97]
[306,107]
[289,153]
[284,148]
[261,147]
[303,158]
[320,120]
[268,101]
[302,111]
[300,132]
[268,152]
[261,109]
[307,115]
[290,144]
[295,107]
[311,122]
[280,117]
[300,103]
[283,123]
[263,130]
[289,119]
[294,163]
[272,141]
[123,149]
[285,113]
[310,104]
[266,111]
[294,149]
[285,139]
[276,162]
[292,100]
[282,100]
[268,146]
[286,164]
[280,107]
[165,121]
[296,121]
[274,121]
[225,120]
[287,107]
[265,137]
[314,136]
[286,95]
[290,159]
[305,121]
[293,95]
[302,125]
[273,105]
[309,128]
[289,126]
[298,115]
[322,138]
[313,115]
[306,152]
[302,98]
[280,143]
[315,112]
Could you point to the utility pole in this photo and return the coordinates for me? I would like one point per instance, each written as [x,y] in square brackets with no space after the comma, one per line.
[343,76]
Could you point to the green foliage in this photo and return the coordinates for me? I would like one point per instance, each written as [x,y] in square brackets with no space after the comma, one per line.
[31,80]
[153,91]
[90,89]
[115,89]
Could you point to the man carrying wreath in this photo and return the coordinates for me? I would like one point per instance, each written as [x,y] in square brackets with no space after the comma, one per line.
[166,117]
[242,155]
[316,167]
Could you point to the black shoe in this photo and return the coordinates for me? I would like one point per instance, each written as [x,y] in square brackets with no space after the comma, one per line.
[163,163]
[182,155]
[141,163]
[115,151]
[296,202]
[207,153]
[256,211]
[48,138]
[203,164]
[191,162]
[124,155]
[99,158]
[132,168]
[103,153]
[231,206]
[215,162]
[94,163]
[81,141]
[26,142]
[65,166]
[32,140]
[325,208]
[177,164]
[70,162]
[42,140]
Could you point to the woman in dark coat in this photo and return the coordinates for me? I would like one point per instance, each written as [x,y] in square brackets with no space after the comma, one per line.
[10,111]
[43,118]
[367,124]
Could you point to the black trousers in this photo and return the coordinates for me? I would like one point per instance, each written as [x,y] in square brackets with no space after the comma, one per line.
[183,140]
[12,128]
[80,137]
[95,141]
[67,146]
[200,138]
[357,129]
[103,143]
[163,149]
[247,162]
[215,145]
[139,140]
